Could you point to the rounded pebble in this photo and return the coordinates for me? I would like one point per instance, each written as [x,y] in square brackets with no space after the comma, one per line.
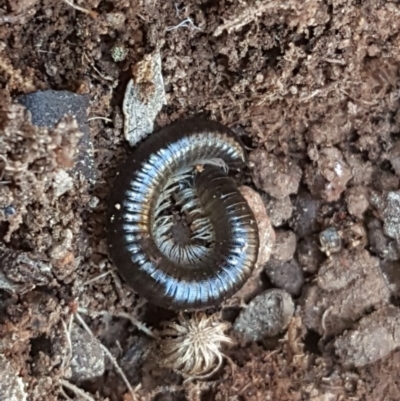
[285,275]
[267,315]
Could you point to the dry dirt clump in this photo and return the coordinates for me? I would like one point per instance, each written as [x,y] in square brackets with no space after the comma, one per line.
[348,285]
[374,337]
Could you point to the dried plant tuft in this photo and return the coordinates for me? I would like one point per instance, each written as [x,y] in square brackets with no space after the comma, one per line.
[192,345]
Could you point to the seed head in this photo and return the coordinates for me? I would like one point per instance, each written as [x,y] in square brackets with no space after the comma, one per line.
[192,345]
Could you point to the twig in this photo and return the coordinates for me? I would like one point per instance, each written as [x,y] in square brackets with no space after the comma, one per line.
[187,23]
[92,13]
[76,390]
[67,331]
[100,118]
[124,315]
[99,277]
[109,354]
[248,15]
[106,77]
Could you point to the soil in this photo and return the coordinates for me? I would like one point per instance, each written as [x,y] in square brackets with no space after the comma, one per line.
[313,90]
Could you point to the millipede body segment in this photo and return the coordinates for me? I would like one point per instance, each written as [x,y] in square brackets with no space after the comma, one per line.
[179,231]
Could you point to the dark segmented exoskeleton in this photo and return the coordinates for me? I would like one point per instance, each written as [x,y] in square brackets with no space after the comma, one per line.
[186,161]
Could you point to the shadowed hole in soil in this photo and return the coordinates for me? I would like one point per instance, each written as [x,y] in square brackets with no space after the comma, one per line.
[230,314]
[209,395]
[154,315]
[40,344]
[272,56]
[311,342]
[386,166]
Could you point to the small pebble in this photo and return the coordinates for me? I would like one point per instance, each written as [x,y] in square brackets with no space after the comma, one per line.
[388,206]
[309,254]
[330,241]
[279,210]
[62,183]
[119,52]
[93,202]
[288,275]
[278,178]
[357,201]
[379,243]
[285,245]
[116,19]
[87,356]
[267,315]
[305,215]
[329,175]
[9,210]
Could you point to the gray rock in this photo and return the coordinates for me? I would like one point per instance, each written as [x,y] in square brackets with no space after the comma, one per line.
[288,276]
[49,107]
[87,360]
[267,315]
[141,105]
[12,387]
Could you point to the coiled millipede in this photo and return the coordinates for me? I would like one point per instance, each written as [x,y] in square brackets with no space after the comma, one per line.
[176,182]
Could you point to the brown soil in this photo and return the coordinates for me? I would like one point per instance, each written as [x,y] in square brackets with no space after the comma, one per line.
[313,89]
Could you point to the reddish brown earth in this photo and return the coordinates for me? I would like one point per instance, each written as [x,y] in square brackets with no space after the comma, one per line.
[312,88]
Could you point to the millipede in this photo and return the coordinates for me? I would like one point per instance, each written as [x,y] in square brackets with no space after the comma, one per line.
[179,231]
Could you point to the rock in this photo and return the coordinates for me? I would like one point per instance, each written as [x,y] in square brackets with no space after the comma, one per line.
[278,178]
[374,338]
[348,284]
[309,254]
[388,205]
[330,241]
[279,210]
[49,106]
[62,183]
[286,275]
[12,387]
[267,315]
[306,210]
[379,243]
[87,360]
[284,246]
[329,176]
[144,98]
[20,267]
[357,201]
